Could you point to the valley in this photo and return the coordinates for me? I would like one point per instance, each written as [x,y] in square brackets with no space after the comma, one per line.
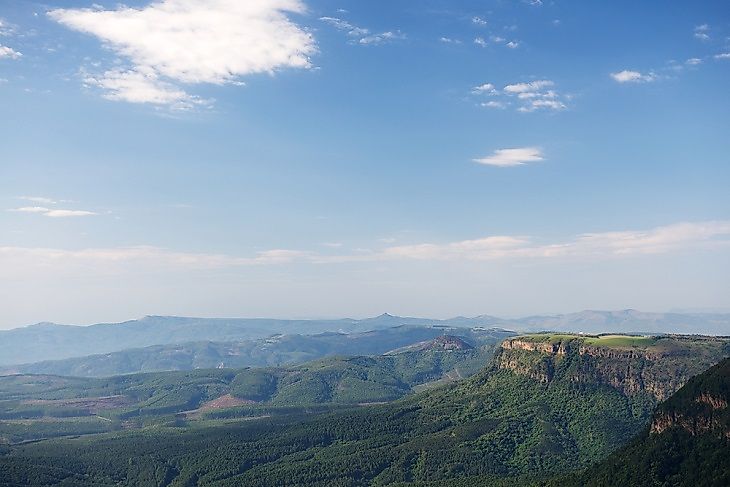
[536,407]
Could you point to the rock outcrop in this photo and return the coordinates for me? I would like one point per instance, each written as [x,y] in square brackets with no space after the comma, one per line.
[659,368]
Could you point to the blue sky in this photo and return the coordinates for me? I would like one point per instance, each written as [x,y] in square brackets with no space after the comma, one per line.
[320,158]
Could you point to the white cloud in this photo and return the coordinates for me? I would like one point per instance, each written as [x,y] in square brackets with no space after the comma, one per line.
[724,55]
[343,25]
[529,96]
[493,104]
[382,37]
[6,29]
[449,40]
[9,53]
[701,32]
[512,157]
[659,240]
[119,259]
[68,213]
[192,41]
[688,236]
[30,209]
[482,42]
[478,21]
[532,86]
[546,104]
[486,88]
[136,87]
[693,61]
[627,76]
[38,199]
[362,35]
[52,213]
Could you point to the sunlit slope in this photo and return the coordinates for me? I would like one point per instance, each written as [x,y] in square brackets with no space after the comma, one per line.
[532,413]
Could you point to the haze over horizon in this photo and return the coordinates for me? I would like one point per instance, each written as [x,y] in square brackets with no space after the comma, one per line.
[509,158]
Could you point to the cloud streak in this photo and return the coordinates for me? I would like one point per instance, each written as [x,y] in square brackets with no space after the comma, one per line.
[52,213]
[687,236]
[362,35]
[512,157]
[628,76]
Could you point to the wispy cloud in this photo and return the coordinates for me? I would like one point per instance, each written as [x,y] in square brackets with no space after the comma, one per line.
[38,199]
[659,240]
[723,55]
[136,87]
[512,157]
[496,41]
[686,236]
[478,21]
[191,41]
[527,96]
[6,28]
[52,212]
[362,35]
[485,88]
[9,53]
[344,25]
[449,40]
[628,76]
[382,37]
[702,32]
[30,209]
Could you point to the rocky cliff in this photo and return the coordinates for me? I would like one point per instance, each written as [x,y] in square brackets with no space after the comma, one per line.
[700,407]
[658,366]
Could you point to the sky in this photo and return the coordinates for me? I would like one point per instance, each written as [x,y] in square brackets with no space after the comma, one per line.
[321,158]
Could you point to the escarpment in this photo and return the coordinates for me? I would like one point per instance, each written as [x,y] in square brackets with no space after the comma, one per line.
[657,366]
[700,407]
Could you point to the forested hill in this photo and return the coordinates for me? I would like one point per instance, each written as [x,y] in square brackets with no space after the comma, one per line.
[274,351]
[530,414]
[687,443]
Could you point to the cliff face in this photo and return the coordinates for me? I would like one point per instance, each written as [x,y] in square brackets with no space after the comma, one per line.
[688,442]
[658,369]
[700,407]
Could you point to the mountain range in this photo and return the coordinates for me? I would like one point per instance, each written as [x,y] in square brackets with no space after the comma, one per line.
[47,341]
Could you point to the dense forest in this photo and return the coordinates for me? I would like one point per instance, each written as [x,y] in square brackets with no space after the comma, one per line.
[505,424]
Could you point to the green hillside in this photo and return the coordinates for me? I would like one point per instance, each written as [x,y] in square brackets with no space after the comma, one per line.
[31,406]
[687,444]
[277,350]
[509,424]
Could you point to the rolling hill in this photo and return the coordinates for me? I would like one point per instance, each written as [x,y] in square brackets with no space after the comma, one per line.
[544,405]
[272,351]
